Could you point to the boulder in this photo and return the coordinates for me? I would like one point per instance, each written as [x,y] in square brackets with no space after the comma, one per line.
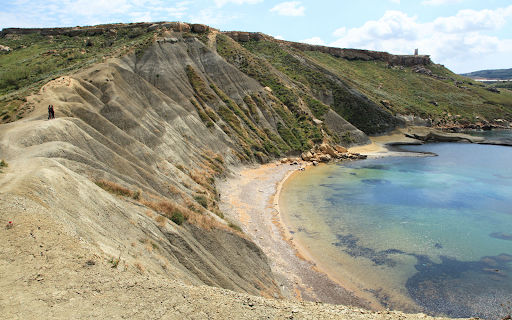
[340,149]
[199,28]
[180,27]
[434,102]
[327,149]
[493,89]
[318,122]
[325,158]
[306,156]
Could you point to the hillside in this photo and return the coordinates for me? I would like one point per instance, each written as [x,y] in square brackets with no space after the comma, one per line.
[149,117]
[498,74]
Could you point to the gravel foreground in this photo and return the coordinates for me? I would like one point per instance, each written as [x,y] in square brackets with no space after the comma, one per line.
[46,274]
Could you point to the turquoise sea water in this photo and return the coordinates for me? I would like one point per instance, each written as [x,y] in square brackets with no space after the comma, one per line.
[430,234]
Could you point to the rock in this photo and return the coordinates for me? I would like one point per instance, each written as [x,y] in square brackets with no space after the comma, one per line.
[340,149]
[306,156]
[493,89]
[199,28]
[434,102]
[386,103]
[244,36]
[325,158]
[94,31]
[316,121]
[153,27]
[4,48]
[180,27]
[262,158]
[327,149]
[315,163]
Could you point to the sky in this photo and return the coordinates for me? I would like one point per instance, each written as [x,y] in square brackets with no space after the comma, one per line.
[463,35]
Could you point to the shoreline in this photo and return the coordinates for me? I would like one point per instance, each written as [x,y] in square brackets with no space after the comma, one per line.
[250,196]
[317,265]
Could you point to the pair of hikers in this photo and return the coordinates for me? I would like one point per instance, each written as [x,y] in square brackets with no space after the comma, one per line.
[51,112]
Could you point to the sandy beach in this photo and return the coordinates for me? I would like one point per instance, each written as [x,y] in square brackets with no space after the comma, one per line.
[250,198]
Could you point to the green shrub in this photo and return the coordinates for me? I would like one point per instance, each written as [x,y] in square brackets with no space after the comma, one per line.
[177,217]
[235,227]
[3,164]
[201,200]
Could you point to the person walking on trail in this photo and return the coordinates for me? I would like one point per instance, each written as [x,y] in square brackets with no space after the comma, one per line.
[51,112]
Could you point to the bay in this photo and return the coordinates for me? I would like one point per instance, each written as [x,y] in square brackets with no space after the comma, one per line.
[430,234]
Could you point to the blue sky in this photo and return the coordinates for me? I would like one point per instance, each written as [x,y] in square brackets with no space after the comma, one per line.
[464,35]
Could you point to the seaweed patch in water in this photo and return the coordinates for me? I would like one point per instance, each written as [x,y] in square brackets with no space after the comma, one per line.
[375,167]
[501,236]
[351,247]
[451,288]
[464,289]
[376,181]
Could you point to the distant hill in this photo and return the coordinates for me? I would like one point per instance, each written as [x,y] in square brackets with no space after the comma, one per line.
[498,74]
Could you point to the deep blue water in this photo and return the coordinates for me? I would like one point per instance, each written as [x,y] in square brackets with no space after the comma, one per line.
[430,234]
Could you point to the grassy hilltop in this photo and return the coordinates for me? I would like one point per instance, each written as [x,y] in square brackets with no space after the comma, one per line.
[319,80]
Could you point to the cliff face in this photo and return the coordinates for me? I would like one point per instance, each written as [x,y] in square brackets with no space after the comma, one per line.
[350,54]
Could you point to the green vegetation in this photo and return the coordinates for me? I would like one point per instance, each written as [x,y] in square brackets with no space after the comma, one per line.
[503,85]
[198,84]
[35,59]
[235,227]
[177,217]
[410,92]
[3,164]
[201,199]
[498,74]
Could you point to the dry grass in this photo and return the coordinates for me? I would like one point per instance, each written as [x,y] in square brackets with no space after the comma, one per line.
[161,221]
[114,188]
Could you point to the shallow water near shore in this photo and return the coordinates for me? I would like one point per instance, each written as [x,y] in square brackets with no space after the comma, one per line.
[430,234]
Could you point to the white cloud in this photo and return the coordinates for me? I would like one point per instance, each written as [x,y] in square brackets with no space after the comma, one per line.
[395,1]
[51,13]
[211,17]
[220,3]
[314,40]
[471,20]
[289,9]
[440,2]
[340,32]
[279,38]
[452,39]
